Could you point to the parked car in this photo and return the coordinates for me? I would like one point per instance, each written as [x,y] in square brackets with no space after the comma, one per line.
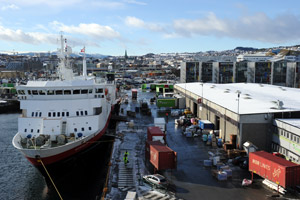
[157,180]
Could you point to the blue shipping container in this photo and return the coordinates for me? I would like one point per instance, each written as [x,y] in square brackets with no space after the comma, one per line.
[205,124]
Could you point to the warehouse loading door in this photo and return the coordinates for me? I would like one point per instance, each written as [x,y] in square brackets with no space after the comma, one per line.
[195,109]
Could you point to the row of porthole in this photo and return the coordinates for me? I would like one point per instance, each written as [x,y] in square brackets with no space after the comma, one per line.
[82,129]
[75,130]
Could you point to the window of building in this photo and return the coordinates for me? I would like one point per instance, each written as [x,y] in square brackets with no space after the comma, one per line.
[31,130]
[50,92]
[63,114]
[40,114]
[58,114]
[54,114]
[99,90]
[298,140]
[36,114]
[38,131]
[81,112]
[32,114]
[34,92]
[77,113]
[49,114]
[67,92]
[29,91]
[76,91]
[90,128]
[287,135]
[41,92]
[84,91]
[90,91]
[59,92]
[75,129]
[67,114]
[25,130]
[85,112]
[82,129]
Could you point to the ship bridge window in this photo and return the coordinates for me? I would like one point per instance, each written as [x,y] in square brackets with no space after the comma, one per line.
[36,114]
[40,114]
[54,114]
[76,91]
[41,92]
[49,114]
[29,92]
[90,91]
[84,91]
[58,114]
[67,92]
[32,114]
[67,114]
[63,114]
[77,113]
[99,90]
[50,92]
[85,112]
[81,112]
[59,92]
[34,92]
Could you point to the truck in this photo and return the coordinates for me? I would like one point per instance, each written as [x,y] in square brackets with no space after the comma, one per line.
[275,169]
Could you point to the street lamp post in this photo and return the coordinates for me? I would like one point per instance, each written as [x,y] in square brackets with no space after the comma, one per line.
[238,118]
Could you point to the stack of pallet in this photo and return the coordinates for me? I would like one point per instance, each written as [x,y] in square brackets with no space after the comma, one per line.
[232,153]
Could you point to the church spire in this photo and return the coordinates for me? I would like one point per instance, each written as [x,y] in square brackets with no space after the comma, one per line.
[126,57]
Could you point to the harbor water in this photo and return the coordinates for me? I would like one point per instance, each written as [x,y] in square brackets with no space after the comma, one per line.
[20,180]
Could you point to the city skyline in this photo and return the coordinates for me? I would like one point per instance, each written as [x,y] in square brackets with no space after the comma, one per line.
[141,27]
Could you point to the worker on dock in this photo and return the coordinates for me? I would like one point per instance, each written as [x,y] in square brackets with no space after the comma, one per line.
[125,158]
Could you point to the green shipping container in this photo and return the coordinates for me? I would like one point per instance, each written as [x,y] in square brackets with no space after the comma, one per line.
[169,103]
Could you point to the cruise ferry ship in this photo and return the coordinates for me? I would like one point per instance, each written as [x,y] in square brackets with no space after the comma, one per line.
[64,117]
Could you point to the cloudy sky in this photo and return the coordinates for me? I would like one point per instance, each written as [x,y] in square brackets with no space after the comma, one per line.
[144,26]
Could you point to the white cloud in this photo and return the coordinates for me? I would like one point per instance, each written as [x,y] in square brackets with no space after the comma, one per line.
[10,7]
[93,30]
[138,23]
[258,27]
[30,37]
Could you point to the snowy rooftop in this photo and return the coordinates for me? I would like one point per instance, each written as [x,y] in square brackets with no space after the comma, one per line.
[292,122]
[254,98]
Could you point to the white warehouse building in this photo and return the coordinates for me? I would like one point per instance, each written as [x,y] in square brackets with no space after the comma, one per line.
[250,111]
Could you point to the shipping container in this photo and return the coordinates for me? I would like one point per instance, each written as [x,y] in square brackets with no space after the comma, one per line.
[134,93]
[154,133]
[161,123]
[147,148]
[274,168]
[166,102]
[162,157]
[205,124]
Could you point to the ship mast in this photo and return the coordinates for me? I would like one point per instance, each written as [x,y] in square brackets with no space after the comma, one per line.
[65,71]
[84,72]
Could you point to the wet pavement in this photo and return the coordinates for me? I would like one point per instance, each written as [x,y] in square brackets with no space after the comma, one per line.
[191,180]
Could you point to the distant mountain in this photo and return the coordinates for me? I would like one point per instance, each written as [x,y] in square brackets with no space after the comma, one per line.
[75,55]
[246,49]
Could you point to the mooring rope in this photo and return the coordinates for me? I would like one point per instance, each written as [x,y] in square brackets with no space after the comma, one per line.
[40,160]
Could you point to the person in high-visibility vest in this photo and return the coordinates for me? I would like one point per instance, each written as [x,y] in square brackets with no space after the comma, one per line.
[125,158]
[126,153]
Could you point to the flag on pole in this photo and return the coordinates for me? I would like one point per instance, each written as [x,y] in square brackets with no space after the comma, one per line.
[83,50]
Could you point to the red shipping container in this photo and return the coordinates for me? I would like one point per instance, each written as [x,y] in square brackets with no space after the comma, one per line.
[155,133]
[274,168]
[162,157]
[147,148]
